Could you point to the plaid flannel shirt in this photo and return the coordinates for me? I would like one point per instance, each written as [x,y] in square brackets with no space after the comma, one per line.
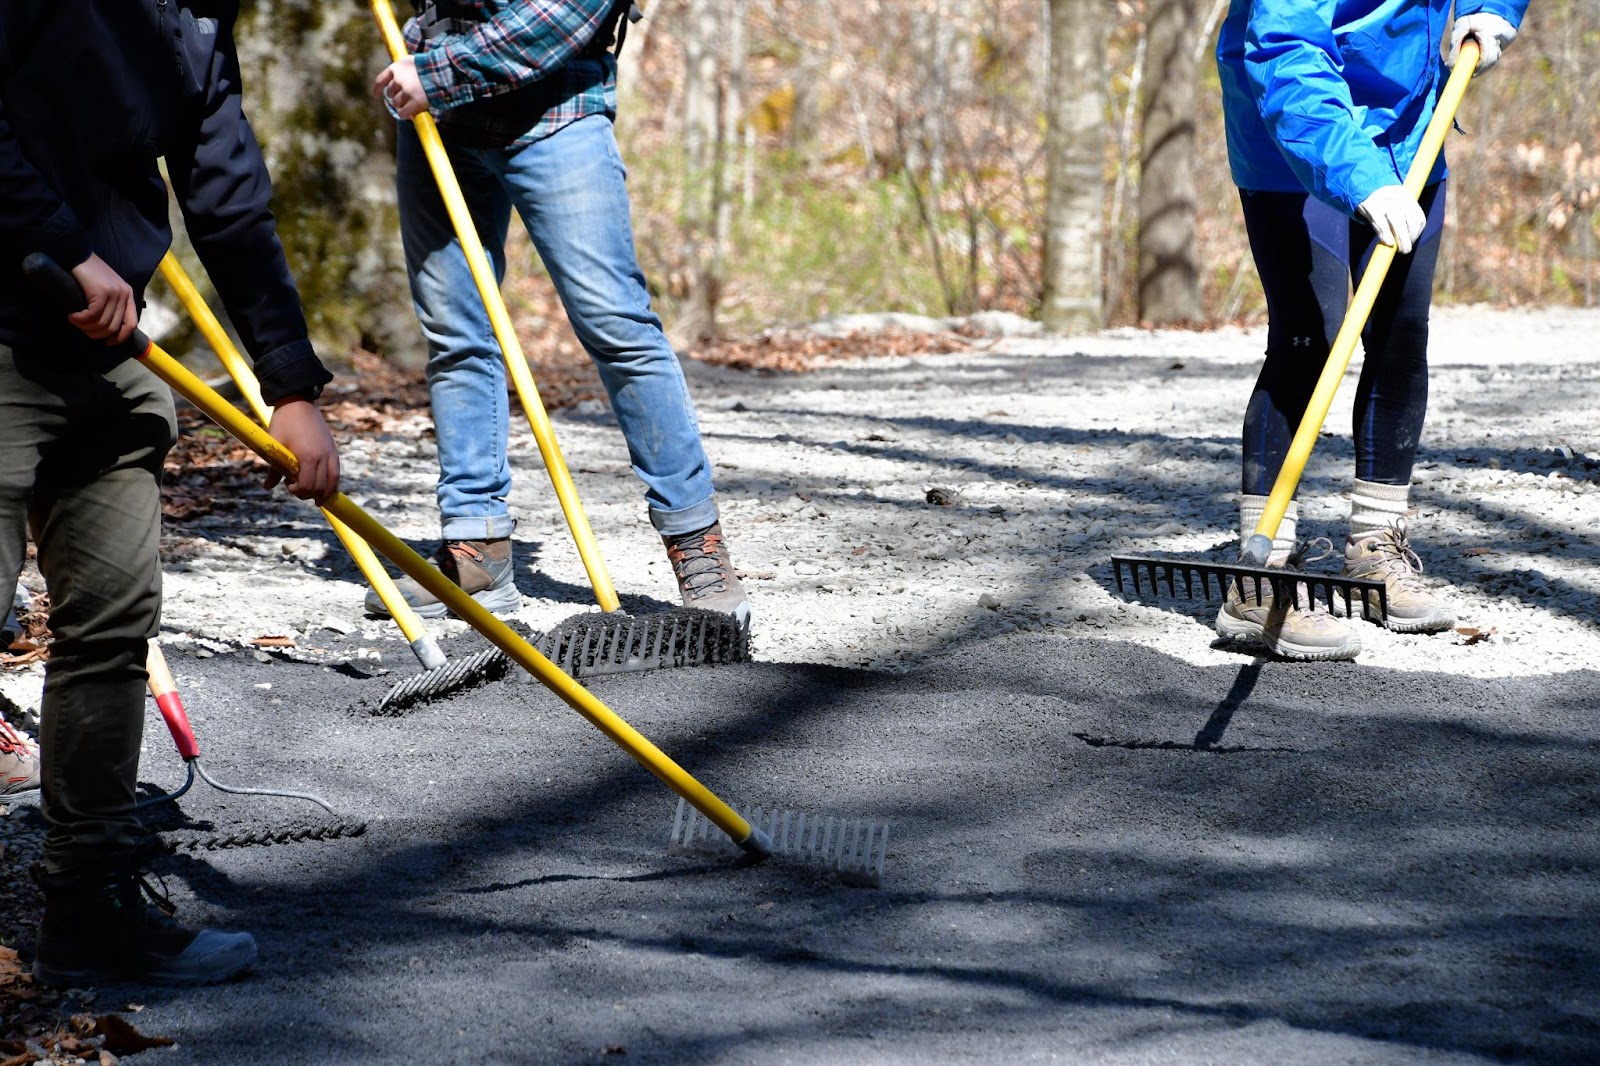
[525,69]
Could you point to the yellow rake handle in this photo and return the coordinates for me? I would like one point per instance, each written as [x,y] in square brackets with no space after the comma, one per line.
[1355,320]
[464,606]
[244,377]
[510,348]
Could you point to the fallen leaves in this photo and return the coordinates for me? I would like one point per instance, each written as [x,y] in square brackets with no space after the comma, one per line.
[1469,636]
[797,351]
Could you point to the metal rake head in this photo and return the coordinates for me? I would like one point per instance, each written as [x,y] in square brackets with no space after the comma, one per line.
[487,665]
[853,848]
[589,644]
[1300,589]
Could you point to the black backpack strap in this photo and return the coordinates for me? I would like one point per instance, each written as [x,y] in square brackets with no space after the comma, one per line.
[614,30]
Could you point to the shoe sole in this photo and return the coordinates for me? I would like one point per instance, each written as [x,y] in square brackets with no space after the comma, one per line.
[58,978]
[1245,631]
[496,601]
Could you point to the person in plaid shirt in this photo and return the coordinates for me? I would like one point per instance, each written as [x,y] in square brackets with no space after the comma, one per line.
[524,93]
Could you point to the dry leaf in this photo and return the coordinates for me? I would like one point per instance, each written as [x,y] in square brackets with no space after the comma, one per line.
[1470,636]
[273,642]
[1482,549]
[122,1038]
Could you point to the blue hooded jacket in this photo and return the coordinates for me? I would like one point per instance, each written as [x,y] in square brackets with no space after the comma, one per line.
[1331,97]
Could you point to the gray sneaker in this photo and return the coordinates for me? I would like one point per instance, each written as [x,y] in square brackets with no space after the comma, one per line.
[704,570]
[19,762]
[1386,555]
[481,567]
[1303,634]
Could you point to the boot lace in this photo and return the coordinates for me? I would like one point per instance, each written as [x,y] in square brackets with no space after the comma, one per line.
[1399,560]
[1308,551]
[697,563]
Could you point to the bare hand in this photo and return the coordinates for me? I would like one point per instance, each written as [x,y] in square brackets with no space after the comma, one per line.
[399,85]
[112,313]
[298,426]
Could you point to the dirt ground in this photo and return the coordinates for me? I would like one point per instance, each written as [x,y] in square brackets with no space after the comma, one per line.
[1113,839]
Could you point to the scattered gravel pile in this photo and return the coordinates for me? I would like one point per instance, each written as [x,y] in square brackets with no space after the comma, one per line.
[890,510]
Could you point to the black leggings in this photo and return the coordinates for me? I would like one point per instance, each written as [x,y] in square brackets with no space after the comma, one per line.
[1304,251]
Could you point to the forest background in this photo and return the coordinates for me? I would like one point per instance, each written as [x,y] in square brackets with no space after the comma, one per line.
[794,159]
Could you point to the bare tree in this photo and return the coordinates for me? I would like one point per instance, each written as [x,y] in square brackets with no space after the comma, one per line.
[705,148]
[1169,275]
[1074,239]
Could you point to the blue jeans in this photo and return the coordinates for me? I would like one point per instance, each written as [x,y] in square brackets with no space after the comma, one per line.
[569,190]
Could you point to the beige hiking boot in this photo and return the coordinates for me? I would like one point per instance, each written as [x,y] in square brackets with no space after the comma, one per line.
[481,567]
[1386,555]
[1304,634]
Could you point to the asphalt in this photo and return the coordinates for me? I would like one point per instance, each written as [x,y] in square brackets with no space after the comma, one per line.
[1100,854]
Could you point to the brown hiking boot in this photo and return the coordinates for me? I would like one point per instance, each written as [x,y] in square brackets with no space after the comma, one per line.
[1386,555]
[704,570]
[1304,634]
[481,567]
[19,761]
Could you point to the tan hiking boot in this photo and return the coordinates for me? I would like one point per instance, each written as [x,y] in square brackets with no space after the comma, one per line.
[1386,555]
[481,567]
[704,570]
[1304,634]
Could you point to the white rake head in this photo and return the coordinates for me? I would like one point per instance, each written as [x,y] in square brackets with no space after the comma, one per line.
[853,848]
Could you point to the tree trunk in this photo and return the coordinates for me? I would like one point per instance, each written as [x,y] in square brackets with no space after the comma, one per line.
[702,142]
[1169,276]
[1075,148]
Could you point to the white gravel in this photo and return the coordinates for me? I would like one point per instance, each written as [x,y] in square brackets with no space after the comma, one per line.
[1057,453]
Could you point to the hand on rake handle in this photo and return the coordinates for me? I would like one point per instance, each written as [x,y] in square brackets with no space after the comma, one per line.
[297,425]
[109,312]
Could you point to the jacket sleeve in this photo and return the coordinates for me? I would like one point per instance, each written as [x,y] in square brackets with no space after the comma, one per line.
[1510,10]
[525,42]
[33,217]
[1294,68]
[224,192]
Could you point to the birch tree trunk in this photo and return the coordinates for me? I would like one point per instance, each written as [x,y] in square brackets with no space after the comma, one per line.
[703,147]
[1073,298]
[1169,275]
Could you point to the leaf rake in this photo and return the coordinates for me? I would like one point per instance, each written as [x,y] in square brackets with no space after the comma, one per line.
[853,848]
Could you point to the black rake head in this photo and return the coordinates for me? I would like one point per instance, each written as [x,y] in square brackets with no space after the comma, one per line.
[1150,577]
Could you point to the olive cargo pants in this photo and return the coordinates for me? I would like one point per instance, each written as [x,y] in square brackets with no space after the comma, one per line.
[80,464]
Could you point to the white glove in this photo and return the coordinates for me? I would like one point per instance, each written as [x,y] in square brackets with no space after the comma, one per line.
[1491,32]
[1395,216]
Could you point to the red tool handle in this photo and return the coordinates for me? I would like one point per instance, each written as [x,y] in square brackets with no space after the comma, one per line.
[170,703]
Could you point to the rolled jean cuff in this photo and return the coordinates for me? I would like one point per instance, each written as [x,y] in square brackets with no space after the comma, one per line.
[686,519]
[479,527]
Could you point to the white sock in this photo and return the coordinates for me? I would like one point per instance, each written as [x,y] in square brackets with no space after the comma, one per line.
[1250,510]
[1374,506]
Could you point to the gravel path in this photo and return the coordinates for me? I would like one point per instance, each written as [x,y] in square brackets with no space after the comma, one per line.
[1114,842]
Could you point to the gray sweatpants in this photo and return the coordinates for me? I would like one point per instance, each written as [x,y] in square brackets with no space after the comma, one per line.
[80,465]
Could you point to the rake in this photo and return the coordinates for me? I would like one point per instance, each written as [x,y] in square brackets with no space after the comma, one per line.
[170,704]
[613,635]
[1170,574]
[439,675]
[751,839]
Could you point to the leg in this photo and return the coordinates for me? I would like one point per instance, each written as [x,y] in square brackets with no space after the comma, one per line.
[466,371]
[96,516]
[571,191]
[1391,402]
[1392,395]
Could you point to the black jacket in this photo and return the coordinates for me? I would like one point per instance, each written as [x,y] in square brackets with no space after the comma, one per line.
[92,93]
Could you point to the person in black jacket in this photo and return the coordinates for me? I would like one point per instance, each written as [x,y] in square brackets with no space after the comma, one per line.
[92,94]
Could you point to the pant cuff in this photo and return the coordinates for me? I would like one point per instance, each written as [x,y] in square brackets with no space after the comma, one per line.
[480,527]
[685,520]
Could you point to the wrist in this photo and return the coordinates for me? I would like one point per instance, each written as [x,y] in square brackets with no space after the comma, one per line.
[295,397]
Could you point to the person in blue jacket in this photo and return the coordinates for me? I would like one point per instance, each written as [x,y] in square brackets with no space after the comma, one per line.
[1325,104]
[93,95]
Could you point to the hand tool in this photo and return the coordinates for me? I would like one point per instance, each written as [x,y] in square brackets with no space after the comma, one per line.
[1252,563]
